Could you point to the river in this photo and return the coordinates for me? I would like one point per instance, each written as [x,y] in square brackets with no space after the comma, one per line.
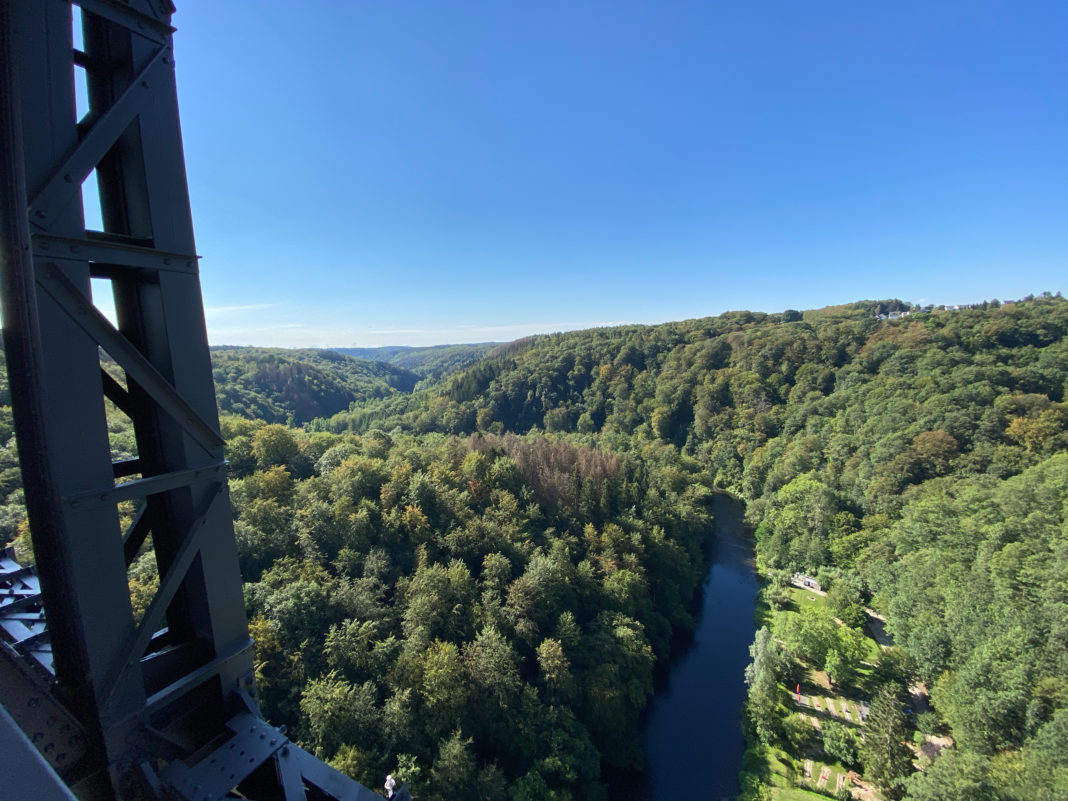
[692,734]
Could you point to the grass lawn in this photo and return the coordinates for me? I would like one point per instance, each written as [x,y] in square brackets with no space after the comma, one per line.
[803,598]
[873,649]
[795,794]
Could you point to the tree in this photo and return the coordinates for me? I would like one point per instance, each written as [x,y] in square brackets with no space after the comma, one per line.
[440,602]
[844,654]
[554,667]
[1045,775]
[985,702]
[338,713]
[845,602]
[768,659]
[886,759]
[444,685]
[454,771]
[1038,434]
[301,610]
[618,684]
[810,635]
[274,444]
[535,599]
[954,775]
[893,670]
[932,453]
[490,662]
[929,646]
[762,706]
[801,513]
[840,742]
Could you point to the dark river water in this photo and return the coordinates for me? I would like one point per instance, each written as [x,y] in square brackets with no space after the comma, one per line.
[692,735]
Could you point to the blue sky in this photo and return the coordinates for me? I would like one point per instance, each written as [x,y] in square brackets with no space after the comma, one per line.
[370,173]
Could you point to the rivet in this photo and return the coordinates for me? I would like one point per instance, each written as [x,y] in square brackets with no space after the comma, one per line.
[144,84]
[68,178]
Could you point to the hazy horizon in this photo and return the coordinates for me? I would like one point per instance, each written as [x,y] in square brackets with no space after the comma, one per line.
[583,328]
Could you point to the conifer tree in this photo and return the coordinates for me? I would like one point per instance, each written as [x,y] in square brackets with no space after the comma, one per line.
[885,757]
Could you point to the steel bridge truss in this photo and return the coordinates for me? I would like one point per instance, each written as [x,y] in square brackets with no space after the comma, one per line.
[161,702]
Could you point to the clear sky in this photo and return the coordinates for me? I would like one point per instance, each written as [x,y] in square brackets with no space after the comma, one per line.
[365,172]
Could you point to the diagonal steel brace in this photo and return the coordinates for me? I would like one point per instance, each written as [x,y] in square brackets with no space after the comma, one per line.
[137,367]
[66,182]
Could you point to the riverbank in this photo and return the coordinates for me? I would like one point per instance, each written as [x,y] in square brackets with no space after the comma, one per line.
[692,732]
[802,763]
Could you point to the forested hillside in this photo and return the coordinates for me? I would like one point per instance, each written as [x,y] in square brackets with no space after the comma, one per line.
[917,465]
[279,385]
[430,362]
[478,616]
[469,585]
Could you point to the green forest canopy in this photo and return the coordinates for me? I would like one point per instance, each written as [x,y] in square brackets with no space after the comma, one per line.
[295,386]
[428,362]
[430,572]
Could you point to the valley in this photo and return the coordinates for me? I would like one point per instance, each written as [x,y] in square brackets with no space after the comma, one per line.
[464,572]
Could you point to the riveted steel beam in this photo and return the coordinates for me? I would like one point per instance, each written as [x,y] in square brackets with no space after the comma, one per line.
[140,369]
[65,183]
[107,255]
[168,684]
